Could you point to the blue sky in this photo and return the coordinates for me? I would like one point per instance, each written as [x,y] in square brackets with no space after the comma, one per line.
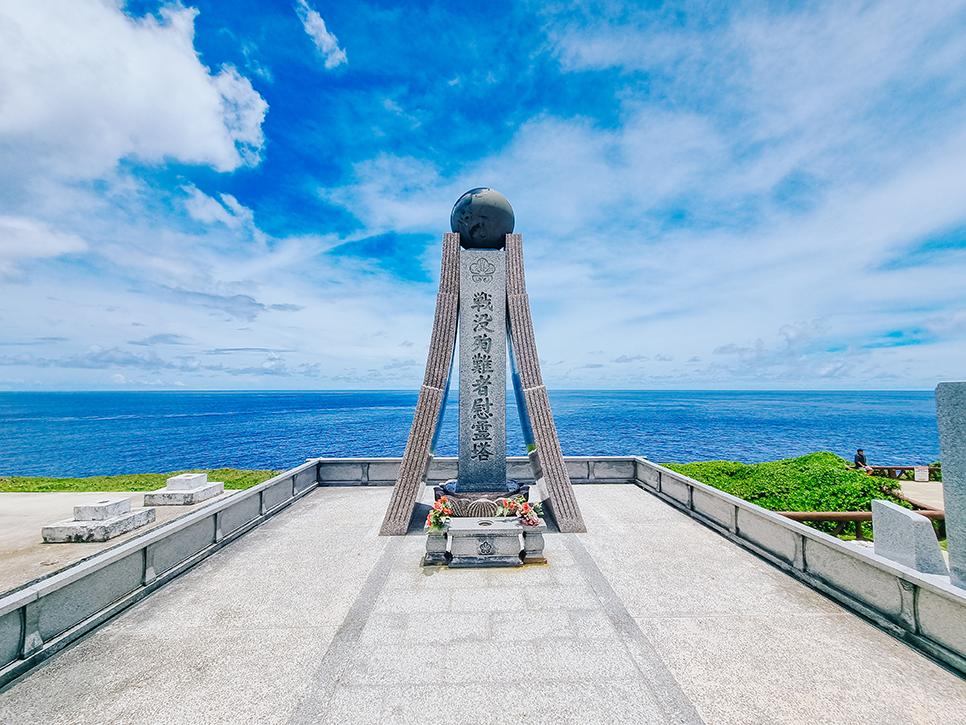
[251,195]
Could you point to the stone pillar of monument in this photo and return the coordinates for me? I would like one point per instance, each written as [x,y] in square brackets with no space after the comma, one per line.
[482,277]
[951,416]
[482,345]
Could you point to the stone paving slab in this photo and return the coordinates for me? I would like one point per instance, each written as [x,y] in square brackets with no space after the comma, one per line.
[648,618]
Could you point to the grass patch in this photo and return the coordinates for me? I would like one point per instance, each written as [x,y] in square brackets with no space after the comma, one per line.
[233,478]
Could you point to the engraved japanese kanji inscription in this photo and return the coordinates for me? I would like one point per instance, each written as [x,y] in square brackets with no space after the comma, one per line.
[482,362]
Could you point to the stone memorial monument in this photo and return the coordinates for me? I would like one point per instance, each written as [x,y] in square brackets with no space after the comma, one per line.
[951,416]
[482,293]
[907,538]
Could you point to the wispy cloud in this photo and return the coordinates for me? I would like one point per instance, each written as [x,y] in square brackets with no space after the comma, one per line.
[164,338]
[22,238]
[325,42]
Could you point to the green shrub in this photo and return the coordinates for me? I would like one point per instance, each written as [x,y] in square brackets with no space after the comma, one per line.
[816,482]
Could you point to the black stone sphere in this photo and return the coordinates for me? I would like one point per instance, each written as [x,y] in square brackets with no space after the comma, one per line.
[483,217]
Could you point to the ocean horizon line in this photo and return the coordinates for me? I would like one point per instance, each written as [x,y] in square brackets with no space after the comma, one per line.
[416,390]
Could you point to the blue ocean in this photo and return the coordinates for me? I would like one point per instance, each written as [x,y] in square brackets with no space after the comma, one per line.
[88,434]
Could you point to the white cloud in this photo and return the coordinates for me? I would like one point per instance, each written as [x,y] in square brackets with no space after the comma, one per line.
[82,86]
[22,238]
[325,42]
[228,211]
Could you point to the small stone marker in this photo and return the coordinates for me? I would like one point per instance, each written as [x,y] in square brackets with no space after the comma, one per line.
[907,538]
[951,415]
[184,490]
[98,521]
[921,473]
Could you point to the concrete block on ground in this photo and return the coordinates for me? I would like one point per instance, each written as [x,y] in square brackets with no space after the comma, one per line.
[533,547]
[11,634]
[98,529]
[102,510]
[519,471]
[184,497]
[676,488]
[187,481]
[907,538]
[768,531]
[65,604]
[579,469]
[855,575]
[443,469]
[714,507]
[942,617]
[648,475]
[380,471]
[342,471]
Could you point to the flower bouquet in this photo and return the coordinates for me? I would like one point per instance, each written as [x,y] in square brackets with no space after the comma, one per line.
[440,514]
[527,512]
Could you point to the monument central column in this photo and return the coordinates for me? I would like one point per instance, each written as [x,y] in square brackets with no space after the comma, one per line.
[482,341]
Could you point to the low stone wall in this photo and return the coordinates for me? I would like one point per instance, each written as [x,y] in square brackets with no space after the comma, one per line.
[40,619]
[924,610]
[382,471]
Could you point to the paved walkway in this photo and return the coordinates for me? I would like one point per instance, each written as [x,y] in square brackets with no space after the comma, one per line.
[927,492]
[649,618]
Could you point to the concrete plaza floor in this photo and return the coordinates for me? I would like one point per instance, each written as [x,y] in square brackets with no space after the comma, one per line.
[647,618]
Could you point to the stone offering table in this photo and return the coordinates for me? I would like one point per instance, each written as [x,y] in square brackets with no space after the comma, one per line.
[486,542]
